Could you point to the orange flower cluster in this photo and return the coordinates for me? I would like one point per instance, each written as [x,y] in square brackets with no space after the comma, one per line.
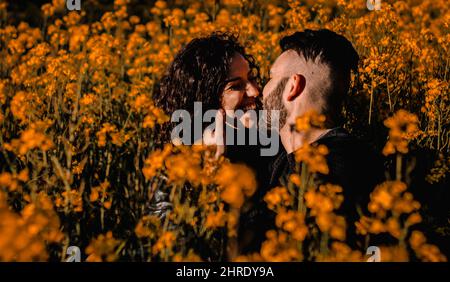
[11,180]
[237,182]
[293,223]
[311,155]
[424,251]
[103,248]
[78,91]
[190,257]
[70,200]
[403,126]
[184,167]
[392,195]
[29,139]
[278,198]
[390,198]
[147,226]
[165,243]
[181,164]
[322,202]
[340,252]
[314,157]
[395,211]
[24,237]
[155,161]
[100,193]
[279,248]
[309,120]
[117,137]
[216,219]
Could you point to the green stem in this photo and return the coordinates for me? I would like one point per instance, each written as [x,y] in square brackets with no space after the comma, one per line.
[324,243]
[304,174]
[398,174]
[371,104]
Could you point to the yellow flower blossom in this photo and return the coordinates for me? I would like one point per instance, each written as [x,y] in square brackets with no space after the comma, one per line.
[403,126]
[102,248]
[24,236]
[313,157]
[278,197]
[310,119]
[237,182]
[155,161]
[30,139]
[164,243]
[278,248]
[76,109]
[293,223]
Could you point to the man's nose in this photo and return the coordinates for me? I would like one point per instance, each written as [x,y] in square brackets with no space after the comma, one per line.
[252,90]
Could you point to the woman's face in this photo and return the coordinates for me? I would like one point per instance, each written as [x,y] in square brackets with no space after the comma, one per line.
[240,90]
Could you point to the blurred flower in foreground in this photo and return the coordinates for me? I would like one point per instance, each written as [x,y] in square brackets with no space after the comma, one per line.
[25,237]
[403,126]
[237,182]
[313,157]
[103,248]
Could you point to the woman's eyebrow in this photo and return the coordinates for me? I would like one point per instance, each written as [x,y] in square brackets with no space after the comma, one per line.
[232,79]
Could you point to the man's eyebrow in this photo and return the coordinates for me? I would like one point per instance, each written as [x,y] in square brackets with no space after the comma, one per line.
[232,79]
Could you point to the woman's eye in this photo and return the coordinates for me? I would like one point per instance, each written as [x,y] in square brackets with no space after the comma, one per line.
[236,87]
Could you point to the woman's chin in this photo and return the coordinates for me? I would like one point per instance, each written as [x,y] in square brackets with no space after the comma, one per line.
[248,120]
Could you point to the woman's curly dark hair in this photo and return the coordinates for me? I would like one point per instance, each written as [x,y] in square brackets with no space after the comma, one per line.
[198,73]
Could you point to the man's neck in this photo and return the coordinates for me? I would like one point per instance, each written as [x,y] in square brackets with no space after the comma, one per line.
[293,140]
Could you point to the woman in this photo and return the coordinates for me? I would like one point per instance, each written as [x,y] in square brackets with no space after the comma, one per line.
[213,70]
[216,71]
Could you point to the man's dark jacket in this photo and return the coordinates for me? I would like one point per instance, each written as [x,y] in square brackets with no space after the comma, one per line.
[352,165]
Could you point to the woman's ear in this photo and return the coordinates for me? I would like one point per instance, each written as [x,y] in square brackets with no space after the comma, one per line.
[297,86]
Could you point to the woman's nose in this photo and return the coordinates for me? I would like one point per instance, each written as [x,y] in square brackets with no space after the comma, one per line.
[252,90]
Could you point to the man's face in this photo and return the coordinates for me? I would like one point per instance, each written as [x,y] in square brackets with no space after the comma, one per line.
[275,89]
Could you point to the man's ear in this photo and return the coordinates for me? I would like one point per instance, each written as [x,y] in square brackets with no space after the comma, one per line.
[297,87]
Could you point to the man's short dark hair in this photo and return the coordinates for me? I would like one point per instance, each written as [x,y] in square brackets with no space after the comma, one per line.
[333,50]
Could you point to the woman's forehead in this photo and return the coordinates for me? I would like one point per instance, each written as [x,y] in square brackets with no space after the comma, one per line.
[239,66]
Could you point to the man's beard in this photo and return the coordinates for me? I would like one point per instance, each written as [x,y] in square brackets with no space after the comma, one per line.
[274,101]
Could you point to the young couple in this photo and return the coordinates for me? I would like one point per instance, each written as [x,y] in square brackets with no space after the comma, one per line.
[311,74]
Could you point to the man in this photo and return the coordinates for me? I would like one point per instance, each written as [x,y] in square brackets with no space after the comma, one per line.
[313,74]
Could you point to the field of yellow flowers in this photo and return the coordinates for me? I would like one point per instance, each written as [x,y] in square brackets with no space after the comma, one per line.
[77,157]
